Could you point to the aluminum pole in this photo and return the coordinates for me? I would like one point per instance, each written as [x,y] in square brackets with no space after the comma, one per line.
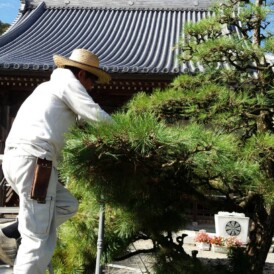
[100,239]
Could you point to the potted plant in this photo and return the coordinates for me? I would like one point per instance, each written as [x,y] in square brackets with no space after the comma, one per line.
[202,240]
[218,244]
[233,242]
[223,244]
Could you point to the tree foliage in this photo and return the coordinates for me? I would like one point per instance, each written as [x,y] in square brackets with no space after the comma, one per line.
[206,135]
[3,27]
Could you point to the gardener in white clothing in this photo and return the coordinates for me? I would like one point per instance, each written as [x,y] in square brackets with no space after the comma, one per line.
[31,155]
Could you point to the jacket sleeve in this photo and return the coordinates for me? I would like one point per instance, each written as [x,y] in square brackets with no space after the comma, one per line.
[79,101]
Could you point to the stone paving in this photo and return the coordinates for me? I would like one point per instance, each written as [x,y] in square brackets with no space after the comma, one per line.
[136,266]
[142,264]
[5,269]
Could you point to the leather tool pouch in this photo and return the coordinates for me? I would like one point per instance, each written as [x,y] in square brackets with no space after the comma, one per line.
[41,180]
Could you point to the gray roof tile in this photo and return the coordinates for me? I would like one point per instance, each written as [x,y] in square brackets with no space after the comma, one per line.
[126,40]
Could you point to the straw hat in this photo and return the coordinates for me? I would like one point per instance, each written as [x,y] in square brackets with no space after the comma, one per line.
[83,59]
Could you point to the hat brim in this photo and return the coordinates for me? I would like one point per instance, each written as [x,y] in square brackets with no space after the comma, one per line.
[61,61]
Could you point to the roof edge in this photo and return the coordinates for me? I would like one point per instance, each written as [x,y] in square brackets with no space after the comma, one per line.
[22,25]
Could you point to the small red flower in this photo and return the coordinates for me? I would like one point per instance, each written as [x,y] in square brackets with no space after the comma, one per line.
[217,240]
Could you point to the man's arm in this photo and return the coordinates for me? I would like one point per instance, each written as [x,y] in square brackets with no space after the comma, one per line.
[79,101]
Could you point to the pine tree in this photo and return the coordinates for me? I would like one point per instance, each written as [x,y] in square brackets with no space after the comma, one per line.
[3,27]
[237,36]
[206,135]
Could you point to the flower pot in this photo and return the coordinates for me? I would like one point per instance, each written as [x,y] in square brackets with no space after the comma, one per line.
[203,246]
[219,249]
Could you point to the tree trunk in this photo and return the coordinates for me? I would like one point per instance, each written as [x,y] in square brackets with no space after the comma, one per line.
[257,28]
[261,234]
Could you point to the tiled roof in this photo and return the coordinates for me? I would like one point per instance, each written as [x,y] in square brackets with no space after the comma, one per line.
[137,40]
[186,4]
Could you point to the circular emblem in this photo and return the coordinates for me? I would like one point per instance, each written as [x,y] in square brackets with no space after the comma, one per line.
[233,228]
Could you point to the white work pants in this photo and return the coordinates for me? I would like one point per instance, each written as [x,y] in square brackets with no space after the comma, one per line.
[37,222]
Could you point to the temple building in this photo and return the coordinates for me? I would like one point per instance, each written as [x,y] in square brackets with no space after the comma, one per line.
[136,42]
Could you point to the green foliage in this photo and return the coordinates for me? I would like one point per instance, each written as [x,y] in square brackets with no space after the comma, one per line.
[144,168]
[232,38]
[206,135]
[129,162]
[73,254]
[269,44]
[238,261]
[3,27]
[148,169]
[210,104]
[77,239]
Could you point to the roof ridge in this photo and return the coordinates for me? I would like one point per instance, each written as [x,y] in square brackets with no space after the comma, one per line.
[128,4]
[124,8]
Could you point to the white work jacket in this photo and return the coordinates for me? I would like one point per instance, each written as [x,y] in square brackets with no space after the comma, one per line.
[49,112]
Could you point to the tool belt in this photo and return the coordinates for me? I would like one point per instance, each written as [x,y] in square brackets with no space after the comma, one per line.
[41,179]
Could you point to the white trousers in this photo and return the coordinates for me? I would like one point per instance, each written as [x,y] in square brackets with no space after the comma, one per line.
[37,222]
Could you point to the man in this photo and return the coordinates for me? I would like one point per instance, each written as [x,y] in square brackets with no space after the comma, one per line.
[38,133]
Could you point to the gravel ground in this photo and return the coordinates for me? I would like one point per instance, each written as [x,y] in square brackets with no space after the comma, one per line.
[143,263]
